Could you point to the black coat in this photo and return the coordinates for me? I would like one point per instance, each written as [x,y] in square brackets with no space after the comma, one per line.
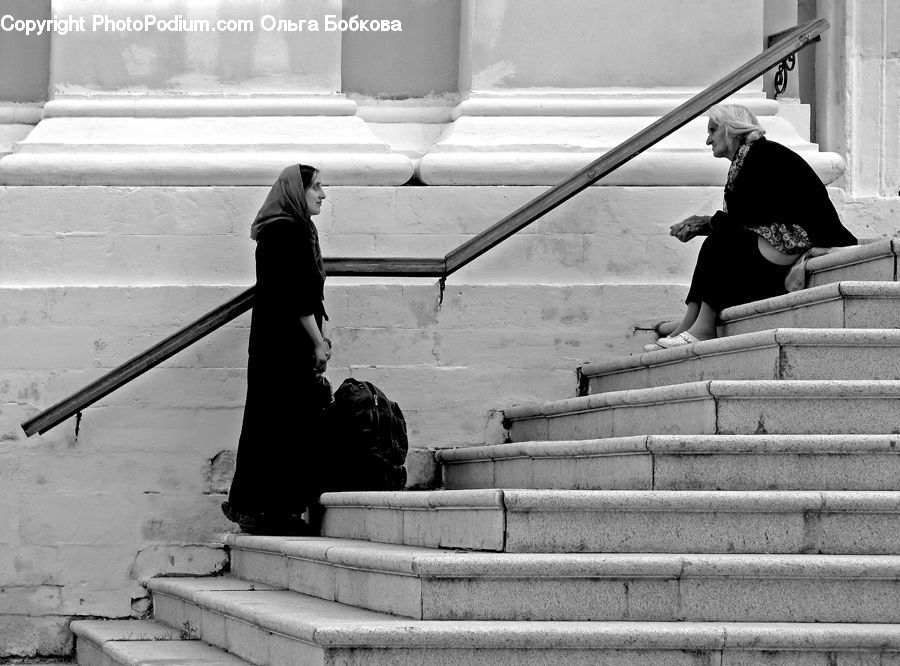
[277,470]
[775,184]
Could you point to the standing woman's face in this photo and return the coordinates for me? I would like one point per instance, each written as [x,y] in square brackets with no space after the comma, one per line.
[315,195]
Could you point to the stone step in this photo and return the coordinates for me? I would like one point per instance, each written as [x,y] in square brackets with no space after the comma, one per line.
[872,261]
[716,407]
[681,462]
[429,584]
[276,628]
[145,643]
[621,521]
[848,304]
[783,353]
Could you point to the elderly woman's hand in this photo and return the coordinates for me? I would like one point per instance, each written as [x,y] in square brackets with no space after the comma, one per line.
[695,225]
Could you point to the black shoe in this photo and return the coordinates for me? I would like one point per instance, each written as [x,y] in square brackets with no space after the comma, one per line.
[267,524]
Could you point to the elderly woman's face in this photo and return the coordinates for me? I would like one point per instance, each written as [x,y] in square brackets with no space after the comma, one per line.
[315,195]
[721,145]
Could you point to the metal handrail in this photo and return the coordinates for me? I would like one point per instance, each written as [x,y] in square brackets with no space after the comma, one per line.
[793,40]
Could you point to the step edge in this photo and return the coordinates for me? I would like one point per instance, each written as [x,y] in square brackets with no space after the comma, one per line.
[471,499]
[853,255]
[401,632]
[391,559]
[826,293]
[680,444]
[775,339]
[701,391]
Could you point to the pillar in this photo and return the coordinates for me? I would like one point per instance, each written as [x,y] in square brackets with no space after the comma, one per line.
[219,92]
[858,90]
[552,86]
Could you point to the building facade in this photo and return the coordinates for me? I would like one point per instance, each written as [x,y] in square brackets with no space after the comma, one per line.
[138,139]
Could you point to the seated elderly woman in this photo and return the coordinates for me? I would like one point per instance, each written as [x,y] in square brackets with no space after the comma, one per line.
[775,209]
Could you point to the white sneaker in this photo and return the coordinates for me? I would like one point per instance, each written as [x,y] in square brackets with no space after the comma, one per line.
[683,338]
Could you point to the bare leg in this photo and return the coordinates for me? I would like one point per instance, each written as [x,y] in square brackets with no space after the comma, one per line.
[704,325]
[693,310]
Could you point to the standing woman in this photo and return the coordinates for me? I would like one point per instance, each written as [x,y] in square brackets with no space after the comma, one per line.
[775,209]
[277,476]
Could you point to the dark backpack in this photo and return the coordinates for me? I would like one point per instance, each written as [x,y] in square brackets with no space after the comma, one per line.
[368,439]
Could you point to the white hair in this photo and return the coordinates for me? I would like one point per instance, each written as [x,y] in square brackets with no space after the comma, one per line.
[738,121]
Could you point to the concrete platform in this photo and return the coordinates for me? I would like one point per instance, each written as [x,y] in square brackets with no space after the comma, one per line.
[872,261]
[849,304]
[430,584]
[280,628]
[784,353]
[621,521]
[681,462]
[716,407]
[144,643]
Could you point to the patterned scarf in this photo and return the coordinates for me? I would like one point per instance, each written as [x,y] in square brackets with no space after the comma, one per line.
[734,169]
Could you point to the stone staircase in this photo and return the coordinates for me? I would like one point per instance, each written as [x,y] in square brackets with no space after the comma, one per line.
[732,502]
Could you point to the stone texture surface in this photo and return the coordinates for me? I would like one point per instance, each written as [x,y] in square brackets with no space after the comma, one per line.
[137,643]
[873,261]
[445,585]
[200,235]
[142,479]
[566,521]
[700,522]
[465,519]
[357,636]
[716,407]
[29,636]
[787,353]
[687,462]
[827,462]
[837,305]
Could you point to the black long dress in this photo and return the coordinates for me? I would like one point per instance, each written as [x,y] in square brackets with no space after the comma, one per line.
[774,184]
[277,474]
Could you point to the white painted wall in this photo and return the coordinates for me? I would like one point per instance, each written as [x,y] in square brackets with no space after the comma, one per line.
[421,60]
[152,236]
[606,43]
[858,89]
[24,59]
[194,62]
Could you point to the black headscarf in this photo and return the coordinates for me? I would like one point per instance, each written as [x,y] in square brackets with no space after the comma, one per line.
[287,201]
[287,198]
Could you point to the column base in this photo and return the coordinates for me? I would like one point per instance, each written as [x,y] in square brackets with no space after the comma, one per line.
[540,138]
[200,141]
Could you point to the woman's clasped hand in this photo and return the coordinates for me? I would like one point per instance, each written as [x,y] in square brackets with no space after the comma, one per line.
[695,225]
